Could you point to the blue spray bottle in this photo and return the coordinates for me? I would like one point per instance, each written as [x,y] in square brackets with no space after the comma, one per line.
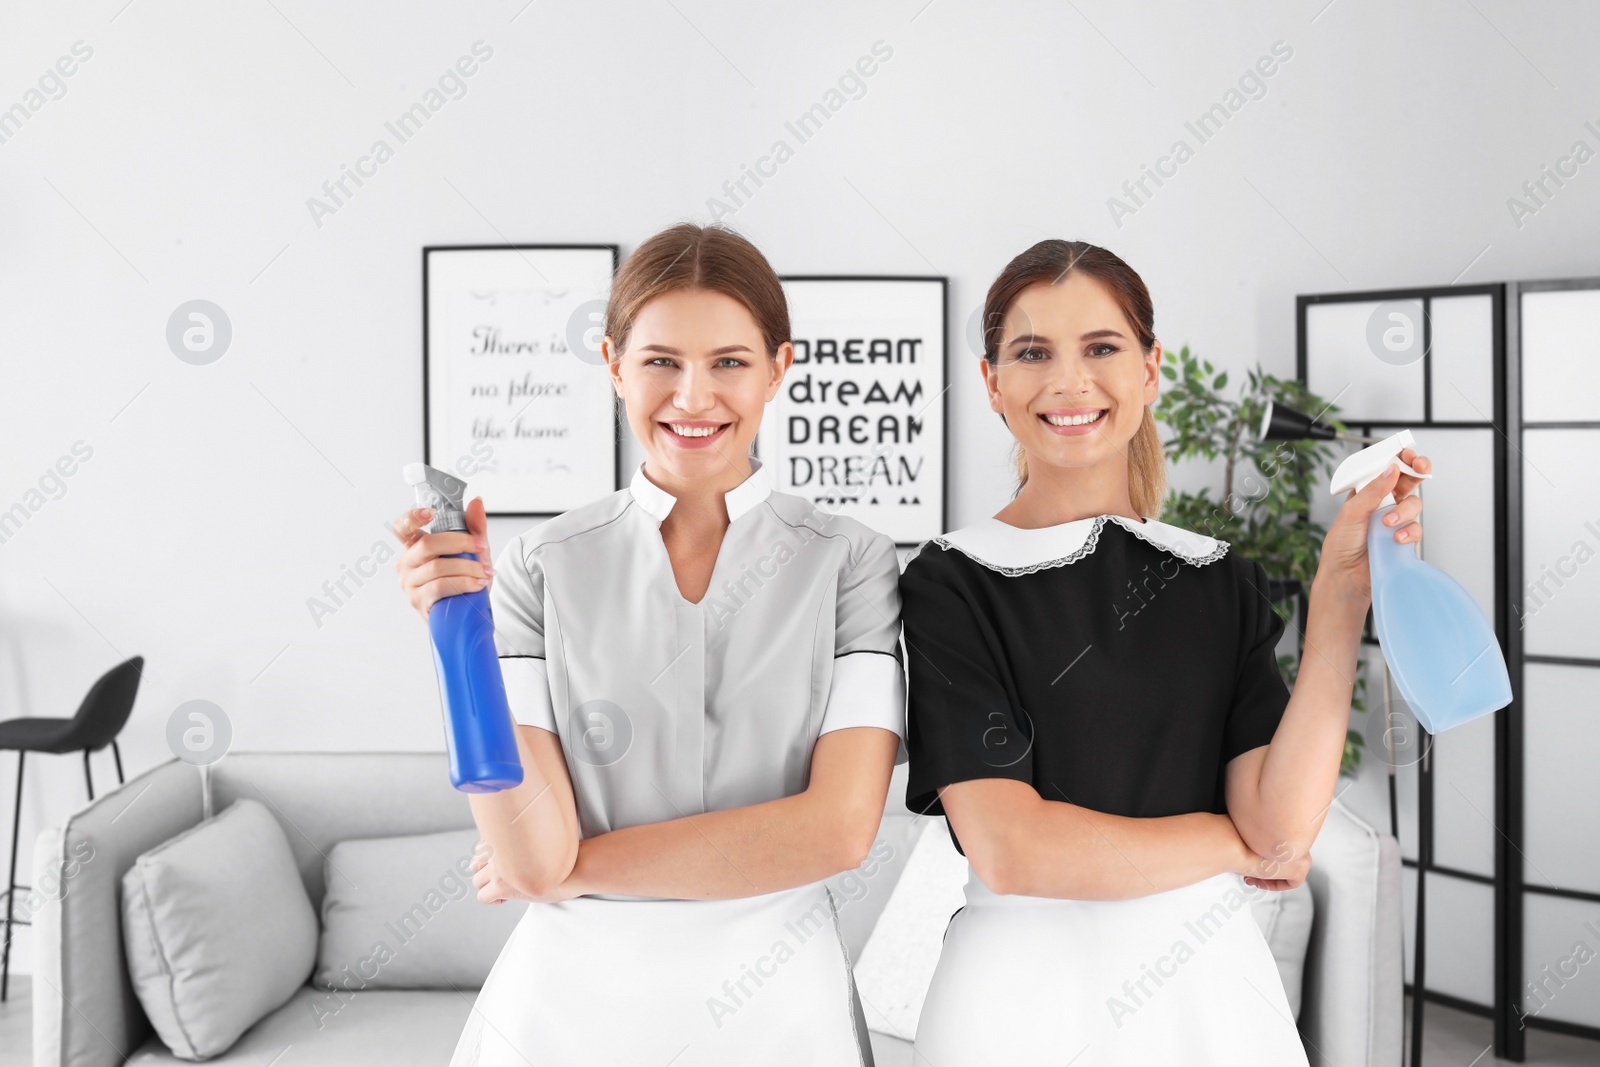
[477,720]
[1441,650]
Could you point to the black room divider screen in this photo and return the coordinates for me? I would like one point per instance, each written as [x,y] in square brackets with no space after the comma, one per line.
[1499,820]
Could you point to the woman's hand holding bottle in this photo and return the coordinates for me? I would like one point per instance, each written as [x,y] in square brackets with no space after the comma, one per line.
[1344,568]
[428,573]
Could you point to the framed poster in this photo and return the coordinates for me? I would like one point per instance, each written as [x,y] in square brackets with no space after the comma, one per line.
[859,425]
[515,396]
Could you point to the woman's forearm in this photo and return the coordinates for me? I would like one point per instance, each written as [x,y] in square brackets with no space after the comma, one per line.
[1081,854]
[1300,767]
[532,828]
[719,855]
[1019,842]
[759,848]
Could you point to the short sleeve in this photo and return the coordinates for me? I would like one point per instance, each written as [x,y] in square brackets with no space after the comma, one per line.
[1259,692]
[516,599]
[869,685]
[961,724]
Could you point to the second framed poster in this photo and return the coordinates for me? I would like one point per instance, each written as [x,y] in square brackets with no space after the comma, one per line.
[859,425]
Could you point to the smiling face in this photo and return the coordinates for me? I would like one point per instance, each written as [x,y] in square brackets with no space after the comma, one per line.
[695,379]
[1070,377]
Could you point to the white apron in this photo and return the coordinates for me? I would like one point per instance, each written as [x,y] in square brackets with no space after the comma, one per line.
[1180,977]
[665,709]
[755,981]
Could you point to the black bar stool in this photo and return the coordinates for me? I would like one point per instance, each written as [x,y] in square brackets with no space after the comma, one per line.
[100,718]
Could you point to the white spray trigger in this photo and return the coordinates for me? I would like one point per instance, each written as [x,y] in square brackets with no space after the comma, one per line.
[1360,468]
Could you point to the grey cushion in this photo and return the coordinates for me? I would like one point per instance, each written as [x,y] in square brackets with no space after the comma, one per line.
[323,798]
[401,913]
[85,1011]
[218,929]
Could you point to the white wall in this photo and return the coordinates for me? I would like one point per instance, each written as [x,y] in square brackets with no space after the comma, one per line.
[180,159]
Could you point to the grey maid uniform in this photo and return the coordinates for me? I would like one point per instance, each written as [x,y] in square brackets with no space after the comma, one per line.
[667,708]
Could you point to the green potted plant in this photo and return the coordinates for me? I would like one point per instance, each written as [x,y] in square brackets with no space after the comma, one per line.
[1264,509]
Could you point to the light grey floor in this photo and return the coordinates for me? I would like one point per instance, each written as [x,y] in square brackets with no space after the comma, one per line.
[1451,1039]
[16,1029]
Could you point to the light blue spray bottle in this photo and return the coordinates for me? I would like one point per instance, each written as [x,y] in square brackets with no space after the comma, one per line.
[1441,650]
[477,720]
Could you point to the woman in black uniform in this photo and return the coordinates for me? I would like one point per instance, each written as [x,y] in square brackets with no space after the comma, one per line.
[1095,706]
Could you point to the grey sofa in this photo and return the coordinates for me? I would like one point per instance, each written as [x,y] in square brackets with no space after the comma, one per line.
[86,1013]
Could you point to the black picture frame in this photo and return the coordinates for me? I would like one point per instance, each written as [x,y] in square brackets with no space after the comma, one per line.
[615,437]
[943,398]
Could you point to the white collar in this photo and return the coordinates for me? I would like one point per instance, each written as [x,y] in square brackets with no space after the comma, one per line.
[657,502]
[1014,550]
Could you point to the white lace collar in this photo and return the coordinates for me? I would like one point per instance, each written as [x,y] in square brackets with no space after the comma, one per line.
[1014,550]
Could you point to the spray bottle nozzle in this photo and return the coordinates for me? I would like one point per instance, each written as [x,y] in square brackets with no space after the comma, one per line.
[440,491]
[1362,467]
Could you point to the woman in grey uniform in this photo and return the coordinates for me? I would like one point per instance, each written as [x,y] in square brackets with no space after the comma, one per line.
[707,681]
